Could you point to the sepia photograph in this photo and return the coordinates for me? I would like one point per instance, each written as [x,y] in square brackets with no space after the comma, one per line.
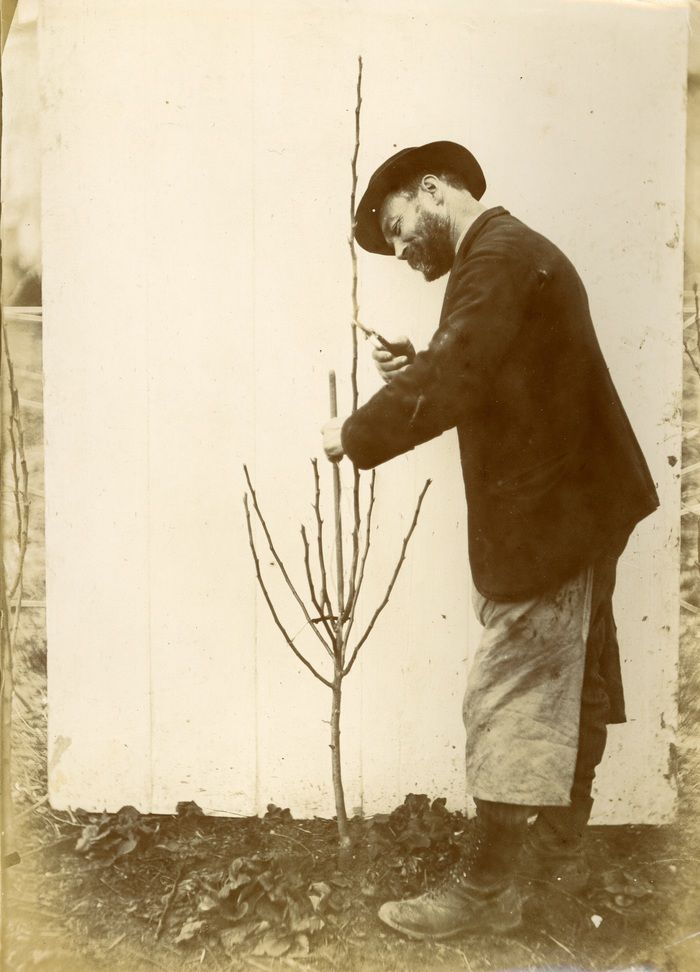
[350,486]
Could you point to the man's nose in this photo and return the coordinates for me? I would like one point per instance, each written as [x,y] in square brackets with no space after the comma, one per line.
[400,249]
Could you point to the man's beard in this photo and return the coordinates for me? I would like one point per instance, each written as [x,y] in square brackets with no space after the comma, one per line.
[432,252]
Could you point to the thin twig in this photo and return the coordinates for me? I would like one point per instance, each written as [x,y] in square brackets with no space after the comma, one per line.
[338,518]
[356,516]
[692,359]
[352,581]
[322,618]
[114,890]
[35,806]
[17,608]
[561,945]
[168,902]
[281,566]
[11,599]
[353,251]
[49,846]
[686,938]
[325,599]
[116,942]
[21,489]
[293,840]
[19,464]
[392,582]
[365,552]
[271,606]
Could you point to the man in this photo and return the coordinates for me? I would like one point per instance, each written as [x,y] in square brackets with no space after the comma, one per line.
[555,482]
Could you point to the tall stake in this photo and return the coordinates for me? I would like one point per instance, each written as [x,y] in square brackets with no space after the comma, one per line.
[338,521]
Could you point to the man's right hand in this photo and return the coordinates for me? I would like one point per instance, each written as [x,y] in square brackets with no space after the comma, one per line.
[392,363]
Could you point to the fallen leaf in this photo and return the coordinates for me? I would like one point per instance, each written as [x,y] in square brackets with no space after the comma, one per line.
[319,892]
[125,847]
[233,938]
[272,945]
[301,946]
[188,931]
[206,903]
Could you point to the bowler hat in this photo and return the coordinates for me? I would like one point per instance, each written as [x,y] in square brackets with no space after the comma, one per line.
[435,157]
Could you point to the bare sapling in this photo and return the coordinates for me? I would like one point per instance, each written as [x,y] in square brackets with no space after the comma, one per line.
[15,534]
[332,615]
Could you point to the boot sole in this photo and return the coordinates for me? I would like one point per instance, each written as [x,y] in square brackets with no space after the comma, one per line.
[466,929]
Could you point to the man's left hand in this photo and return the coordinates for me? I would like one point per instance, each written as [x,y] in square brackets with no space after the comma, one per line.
[331,439]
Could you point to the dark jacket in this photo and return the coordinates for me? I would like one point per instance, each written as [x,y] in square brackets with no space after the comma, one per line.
[550,463]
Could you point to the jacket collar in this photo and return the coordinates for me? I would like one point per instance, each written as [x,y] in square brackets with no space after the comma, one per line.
[476,227]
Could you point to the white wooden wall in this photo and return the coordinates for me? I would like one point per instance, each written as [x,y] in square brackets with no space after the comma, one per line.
[195,216]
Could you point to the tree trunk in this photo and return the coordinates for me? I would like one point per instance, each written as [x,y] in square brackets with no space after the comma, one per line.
[344,842]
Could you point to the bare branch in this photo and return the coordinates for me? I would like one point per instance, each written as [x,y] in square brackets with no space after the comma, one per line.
[271,606]
[281,566]
[325,599]
[312,591]
[692,359]
[18,611]
[337,508]
[11,594]
[351,241]
[390,588]
[365,552]
[356,516]
[20,475]
[352,580]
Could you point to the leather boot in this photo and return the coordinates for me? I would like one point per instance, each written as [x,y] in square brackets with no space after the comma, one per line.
[480,895]
[556,845]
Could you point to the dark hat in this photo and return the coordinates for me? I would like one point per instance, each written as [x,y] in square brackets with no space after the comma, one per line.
[435,157]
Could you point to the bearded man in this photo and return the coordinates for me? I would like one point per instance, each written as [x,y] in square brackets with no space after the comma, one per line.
[555,482]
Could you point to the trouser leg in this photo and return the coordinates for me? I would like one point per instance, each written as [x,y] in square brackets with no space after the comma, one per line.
[558,831]
[499,834]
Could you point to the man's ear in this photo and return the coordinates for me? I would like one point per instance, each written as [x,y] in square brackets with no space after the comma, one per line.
[432,184]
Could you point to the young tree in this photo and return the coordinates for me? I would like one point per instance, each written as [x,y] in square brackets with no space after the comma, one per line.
[332,617]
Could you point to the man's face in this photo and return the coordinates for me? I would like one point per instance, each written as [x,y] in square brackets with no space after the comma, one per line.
[420,233]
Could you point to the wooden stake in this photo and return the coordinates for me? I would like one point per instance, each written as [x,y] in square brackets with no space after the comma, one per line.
[338,515]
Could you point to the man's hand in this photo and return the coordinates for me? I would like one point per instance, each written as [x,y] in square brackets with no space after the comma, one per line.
[392,363]
[331,439]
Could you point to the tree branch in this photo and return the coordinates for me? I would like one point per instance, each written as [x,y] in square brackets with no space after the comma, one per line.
[352,581]
[271,606]
[281,566]
[355,541]
[11,599]
[365,552]
[692,359]
[324,619]
[325,599]
[20,474]
[353,251]
[390,588]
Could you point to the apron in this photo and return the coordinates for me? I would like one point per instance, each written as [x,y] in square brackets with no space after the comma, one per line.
[523,701]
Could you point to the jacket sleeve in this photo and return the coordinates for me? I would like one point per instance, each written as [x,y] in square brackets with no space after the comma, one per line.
[485,307]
